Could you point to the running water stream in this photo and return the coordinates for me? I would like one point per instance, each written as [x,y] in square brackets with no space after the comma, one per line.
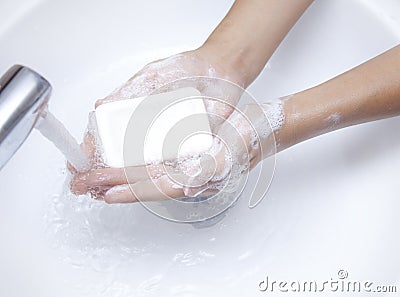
[51,128]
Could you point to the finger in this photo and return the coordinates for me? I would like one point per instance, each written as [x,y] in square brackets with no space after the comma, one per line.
[71,168]
[120,194]
[203,191]
[83,181]
[104,100]
[220,99]
[147,190]
[89,145]
[141,84]
[152,190]
[89,148]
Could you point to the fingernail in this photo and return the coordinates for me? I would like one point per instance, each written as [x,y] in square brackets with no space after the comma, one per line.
[118,189]
[117,194]
[98,103]
[194,192]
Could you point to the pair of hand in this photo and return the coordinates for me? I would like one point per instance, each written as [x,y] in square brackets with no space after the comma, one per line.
[239,137]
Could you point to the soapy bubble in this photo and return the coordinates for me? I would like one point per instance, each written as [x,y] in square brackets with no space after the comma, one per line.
[205,155]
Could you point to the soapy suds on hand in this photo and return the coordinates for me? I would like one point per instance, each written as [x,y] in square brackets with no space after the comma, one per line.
[241,139]
[155,75]
[274,113]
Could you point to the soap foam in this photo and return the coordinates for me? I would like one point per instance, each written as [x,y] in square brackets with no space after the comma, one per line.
[275,114]
[242,138]
[156,74]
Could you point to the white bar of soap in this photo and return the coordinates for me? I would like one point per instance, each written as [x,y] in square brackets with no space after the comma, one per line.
[153,128]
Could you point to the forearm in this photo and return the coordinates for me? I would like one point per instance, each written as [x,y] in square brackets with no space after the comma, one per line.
[250,33]
[366,93]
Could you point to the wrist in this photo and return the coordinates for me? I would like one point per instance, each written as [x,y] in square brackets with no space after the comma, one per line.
[229,61]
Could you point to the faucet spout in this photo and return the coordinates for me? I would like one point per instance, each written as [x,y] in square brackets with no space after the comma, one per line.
[24,95]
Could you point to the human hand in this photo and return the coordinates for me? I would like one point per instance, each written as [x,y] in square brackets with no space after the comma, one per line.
[241,142]
[193,67]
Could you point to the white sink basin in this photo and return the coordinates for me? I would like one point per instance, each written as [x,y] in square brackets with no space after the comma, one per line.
[333,203]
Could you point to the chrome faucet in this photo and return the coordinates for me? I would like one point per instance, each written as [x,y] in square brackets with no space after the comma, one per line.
[24,95]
